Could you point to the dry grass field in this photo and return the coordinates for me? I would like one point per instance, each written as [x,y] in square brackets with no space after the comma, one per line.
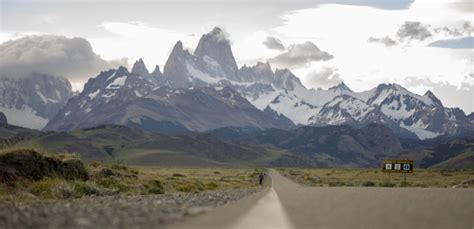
[117,179]
[374,177]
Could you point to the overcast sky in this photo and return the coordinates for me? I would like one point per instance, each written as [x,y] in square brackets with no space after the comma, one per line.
[421,44]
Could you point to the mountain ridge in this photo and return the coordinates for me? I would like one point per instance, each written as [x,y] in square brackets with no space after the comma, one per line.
[278,93]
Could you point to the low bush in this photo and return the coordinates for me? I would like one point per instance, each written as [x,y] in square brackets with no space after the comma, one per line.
[211,186]
[368,184]
[386,184]
[155,187]
[336,183]
[87,188]
[190,187]
[31,165]
[52,189]
[113,184]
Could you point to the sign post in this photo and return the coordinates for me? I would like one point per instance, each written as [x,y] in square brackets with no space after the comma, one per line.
[397,166]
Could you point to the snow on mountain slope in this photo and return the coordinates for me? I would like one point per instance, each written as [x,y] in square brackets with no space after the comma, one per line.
[31,101]
[273,91]
[343,109]
[213,65]
[25,117]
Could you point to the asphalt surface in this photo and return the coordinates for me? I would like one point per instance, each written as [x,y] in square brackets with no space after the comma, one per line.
[292,206]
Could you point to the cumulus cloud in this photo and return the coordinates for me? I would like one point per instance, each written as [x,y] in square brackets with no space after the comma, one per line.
[323,78]
[300,54]
[413,30]
[467,26]
[387,41]
[449,94]
[465,29]
[72,58]
[449,32]
[274,43]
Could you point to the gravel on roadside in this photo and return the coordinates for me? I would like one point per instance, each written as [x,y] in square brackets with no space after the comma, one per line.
[139,211]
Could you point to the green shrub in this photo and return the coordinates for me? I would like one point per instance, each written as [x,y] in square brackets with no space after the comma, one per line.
[178,175]
[190,187]
[368,184]
[63,190]
[336,183]
[118,167]
[155,187]
[113,183]
[134,171]
[404,184]
[386,184]
[211,186]
[52,189]
[86,188]
[94,164]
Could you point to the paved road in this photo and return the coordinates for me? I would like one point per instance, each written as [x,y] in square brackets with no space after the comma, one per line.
[287,205]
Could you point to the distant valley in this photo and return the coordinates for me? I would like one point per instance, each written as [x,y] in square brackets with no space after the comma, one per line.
[228,147]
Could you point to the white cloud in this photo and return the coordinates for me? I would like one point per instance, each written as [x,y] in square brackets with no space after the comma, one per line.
[273,43]
[136,40]
[72,58]
[342,30]
[324,78]
[298,55]
[363,65]
[387,41]
[451,96]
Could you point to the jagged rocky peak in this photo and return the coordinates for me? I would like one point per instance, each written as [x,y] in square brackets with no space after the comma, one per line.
[178,49]
[3,118]
[140,68]
[284,78]
[121,70]
[265,67]
[340,87]
[175,72]
[263,73]
[158,76]
[156,71]
[216,45]
[391,86]
[429,94]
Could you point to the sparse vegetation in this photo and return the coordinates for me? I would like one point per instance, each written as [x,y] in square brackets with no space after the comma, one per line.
[323,177]
[73,179]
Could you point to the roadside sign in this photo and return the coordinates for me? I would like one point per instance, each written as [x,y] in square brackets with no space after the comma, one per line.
[397,166]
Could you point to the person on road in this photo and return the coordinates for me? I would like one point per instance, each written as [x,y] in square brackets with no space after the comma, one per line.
[260,178]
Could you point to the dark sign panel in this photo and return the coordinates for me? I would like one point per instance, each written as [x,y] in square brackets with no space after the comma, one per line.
[397,166]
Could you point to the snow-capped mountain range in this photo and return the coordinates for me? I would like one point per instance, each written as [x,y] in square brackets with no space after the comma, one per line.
[213,65]
[206,89]
[136,99]
[32,100]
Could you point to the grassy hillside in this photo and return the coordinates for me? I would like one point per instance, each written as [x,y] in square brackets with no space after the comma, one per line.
[335,146]
[120,144]
[457,153]
[332,145]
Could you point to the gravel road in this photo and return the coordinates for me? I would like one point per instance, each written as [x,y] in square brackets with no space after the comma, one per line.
[147,211]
